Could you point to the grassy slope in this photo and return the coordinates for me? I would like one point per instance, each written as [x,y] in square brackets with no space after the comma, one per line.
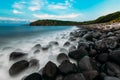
[110,18]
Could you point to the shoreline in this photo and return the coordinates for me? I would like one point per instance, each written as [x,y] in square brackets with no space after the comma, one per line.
[87,54]
[102,26]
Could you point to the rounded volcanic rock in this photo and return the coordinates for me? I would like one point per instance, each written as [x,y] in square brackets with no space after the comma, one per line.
[34,63]
[88,36]
[18,67]
[77,76]
[62,57]
[16,55]
[72,48]
[67,67]
[78,54]
[106,43]
[53,43]
[66,44]
[115,57]
[34,76]
[86,64]
[49,71]
[36,47]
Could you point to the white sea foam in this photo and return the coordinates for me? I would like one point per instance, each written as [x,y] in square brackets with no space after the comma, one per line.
[25,44]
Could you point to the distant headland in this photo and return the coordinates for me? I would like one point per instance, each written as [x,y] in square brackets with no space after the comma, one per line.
[110,18]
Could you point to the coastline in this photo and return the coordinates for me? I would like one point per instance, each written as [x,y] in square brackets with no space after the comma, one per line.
[86,53]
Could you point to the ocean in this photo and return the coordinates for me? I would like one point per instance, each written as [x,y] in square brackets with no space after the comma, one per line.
[22,38]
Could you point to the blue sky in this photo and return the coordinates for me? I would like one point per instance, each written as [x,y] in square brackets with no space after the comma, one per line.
[74,10]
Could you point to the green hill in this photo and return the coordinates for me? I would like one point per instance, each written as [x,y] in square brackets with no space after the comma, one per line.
[116,20]
[53,23]
[115,17]
[110,18]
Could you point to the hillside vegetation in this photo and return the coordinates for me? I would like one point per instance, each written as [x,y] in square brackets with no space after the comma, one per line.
[110,18]
[53,23]
[107,18]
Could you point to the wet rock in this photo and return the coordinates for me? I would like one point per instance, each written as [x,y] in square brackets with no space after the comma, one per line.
[96,34]
[77,76]
[115,57]
[45,48]
[84,45]
[67,67]
[63,50]
[100,76]
[53,43]
[59,77]
[78,33]
[34,76]
[86,63]
[61,57]
[104,44]
[92,53]
[110,78]
[88,36]
[102,58]
[90,75]
[72,39]
[66,44]
[40,71]
[78,54]
[36,47]
[72,48]
[34,63]
[112,69]
[49,71]
[110,34]
[36,51]
[18,67]
[16,55]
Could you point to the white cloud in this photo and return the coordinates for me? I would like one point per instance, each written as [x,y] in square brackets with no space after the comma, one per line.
[17,12]
[57,7]
[66,16]
[19,5]
[36,5]
[67,4]
[34,8]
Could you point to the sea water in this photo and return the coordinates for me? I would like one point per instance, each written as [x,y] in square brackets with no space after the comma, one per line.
[23,38]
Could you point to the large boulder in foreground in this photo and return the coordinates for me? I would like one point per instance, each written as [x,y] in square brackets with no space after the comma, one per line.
[33,76]
[49,71]
[67,67]
[16,55]
[77,76]
[18,67]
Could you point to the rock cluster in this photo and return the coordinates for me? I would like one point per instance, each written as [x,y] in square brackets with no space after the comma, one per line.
[95,57]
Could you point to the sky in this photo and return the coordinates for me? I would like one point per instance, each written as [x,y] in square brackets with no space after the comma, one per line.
[72,10]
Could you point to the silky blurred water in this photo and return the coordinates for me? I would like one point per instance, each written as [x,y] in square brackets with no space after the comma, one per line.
[23,38]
